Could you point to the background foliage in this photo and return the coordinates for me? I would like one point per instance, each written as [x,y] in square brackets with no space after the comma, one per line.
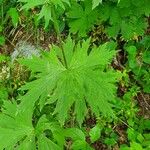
[75,74]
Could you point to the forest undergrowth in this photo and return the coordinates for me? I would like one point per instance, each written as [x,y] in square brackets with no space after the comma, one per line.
[74,75]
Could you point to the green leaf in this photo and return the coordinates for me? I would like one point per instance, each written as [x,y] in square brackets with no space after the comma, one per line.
[95,133]
[3,58]
[46,144]
[31,3]
[46,9]
[13,13]
[81,19]
[2,40]
[54,127]
[125,18]
[140,138]
[96,3]
[75,134]
[34,3]
[78,145]
[78,138]
[27,144]
[84,79]
[46,13]
[11,128]
[3,94]
[146,57]
[136,146]
[132,134]
[1,28]
[110,141]
[16,128]
[132,52]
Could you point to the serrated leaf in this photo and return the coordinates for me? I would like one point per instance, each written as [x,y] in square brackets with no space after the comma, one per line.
[46,9]
[16,128]
[82,81]
[46,13]
[81,19]
[12,130]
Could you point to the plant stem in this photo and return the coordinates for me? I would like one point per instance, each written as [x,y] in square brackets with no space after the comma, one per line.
[56,27]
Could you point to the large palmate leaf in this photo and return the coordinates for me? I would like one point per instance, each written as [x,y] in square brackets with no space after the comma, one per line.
[16,128]
[82,81]
[82,17]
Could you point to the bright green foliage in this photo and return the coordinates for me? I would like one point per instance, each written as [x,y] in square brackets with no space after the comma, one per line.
[79,139]
[16,128]
[11,126]
[125,17]
[83,80]
[31,3]
[140,64]
[95,133]
[47,6]
[95,3]
[13,13]
[82,18]
[72,99]
[2,39]
[138,140]
[119,16]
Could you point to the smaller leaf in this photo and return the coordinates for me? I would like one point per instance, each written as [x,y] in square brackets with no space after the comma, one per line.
[132,51]
[46,13]
[2,58]
[2,40]
[95,133]
[146,57]
[75,134]
[136,146]
[31,3]
[27,144]
[140,138]
[96,3]
[110,141]
[13,13]
[47,144]
[1,29]
[78,145]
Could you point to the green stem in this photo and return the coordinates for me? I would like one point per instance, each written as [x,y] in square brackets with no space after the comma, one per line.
[56,27]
